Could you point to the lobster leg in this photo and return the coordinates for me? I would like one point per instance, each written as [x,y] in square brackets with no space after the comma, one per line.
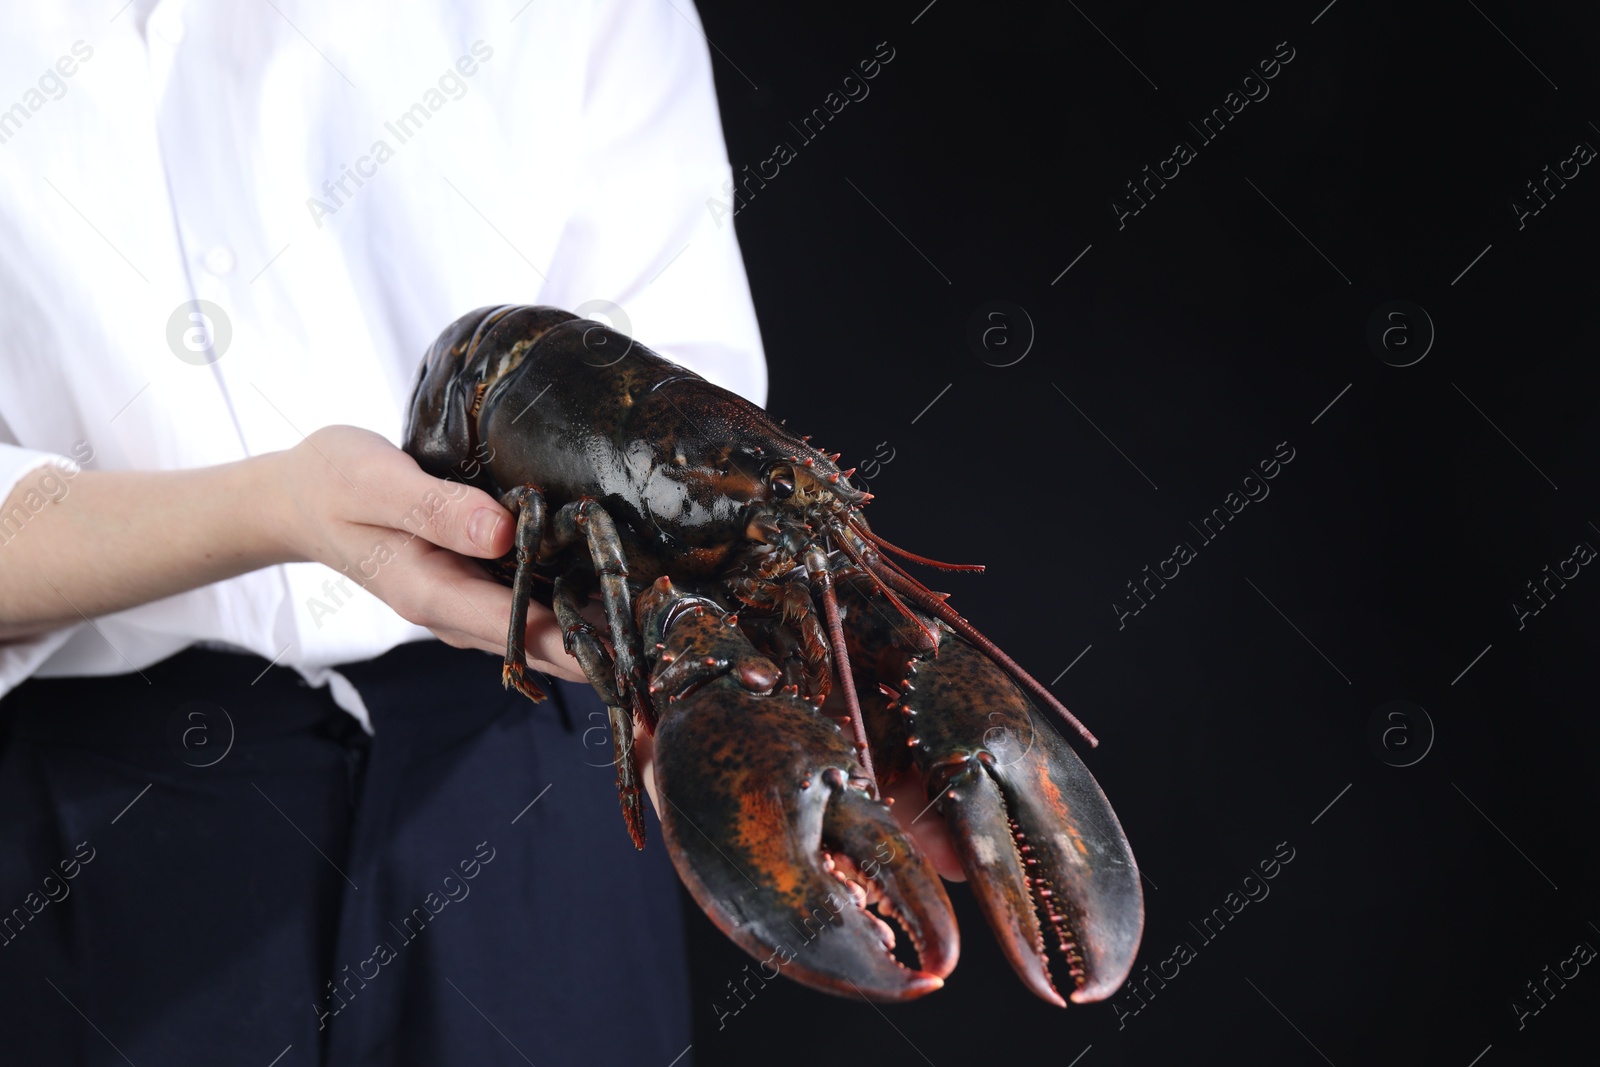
[527,503]
[821,577]
[583,642]
[613,675]
[790,601]
[818,662]
[586,518]
[535,540]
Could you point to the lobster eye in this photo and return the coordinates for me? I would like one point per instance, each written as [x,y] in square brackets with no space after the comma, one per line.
[781,481]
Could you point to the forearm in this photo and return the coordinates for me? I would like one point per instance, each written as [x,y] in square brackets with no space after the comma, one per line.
[102,542]
[105,542]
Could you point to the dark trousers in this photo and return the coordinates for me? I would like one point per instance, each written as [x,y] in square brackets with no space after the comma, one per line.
[198,869]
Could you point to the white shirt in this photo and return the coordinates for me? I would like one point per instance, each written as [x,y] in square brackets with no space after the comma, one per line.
[561,154]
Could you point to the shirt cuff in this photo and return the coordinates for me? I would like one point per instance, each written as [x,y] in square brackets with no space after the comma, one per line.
[17,463]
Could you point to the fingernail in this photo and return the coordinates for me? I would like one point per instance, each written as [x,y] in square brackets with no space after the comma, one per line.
[482,526]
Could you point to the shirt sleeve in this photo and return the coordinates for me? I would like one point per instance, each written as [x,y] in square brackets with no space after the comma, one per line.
[15,465]
[643,244]
[22,656]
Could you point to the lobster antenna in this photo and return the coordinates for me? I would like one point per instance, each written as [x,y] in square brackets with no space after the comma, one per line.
[932,639]
[891,565]
[822,581]
[975,568]
[925,599]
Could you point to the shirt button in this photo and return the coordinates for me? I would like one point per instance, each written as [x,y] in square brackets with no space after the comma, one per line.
[219,260]
[168,26]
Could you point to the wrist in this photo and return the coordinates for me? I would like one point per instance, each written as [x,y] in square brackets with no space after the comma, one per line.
[266,489]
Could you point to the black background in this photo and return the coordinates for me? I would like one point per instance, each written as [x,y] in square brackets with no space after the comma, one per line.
[1197,338]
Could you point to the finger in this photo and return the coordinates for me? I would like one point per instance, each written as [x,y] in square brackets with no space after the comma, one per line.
[644,749]
[451,596]
[487,609]
[927,826]
[446,513]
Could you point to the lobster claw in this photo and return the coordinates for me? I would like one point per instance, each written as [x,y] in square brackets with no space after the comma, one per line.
[770,822]
[1042,849]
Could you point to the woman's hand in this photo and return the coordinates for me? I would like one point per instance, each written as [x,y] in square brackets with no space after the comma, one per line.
[349,499]
[106,541]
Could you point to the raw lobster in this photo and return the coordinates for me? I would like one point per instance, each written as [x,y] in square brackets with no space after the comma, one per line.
[745,599]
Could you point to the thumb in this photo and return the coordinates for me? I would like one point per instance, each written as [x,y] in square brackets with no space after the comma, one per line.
[449,514]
